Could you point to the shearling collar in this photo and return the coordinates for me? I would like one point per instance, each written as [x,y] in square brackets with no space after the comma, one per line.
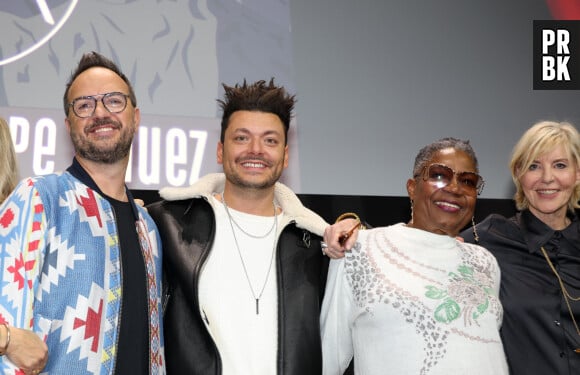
[283,195]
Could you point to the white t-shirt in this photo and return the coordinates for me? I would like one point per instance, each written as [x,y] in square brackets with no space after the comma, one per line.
[246,340]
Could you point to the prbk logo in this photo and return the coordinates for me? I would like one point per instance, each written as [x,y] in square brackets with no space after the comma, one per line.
[556,55]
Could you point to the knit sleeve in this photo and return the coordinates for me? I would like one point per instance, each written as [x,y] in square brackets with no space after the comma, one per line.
[22,219]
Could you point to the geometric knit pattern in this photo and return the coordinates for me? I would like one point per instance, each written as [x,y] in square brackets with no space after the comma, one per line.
[61,274]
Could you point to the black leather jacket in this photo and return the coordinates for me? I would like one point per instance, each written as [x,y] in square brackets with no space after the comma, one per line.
[187,230]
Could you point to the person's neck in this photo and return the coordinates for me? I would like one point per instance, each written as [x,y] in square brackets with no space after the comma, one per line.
[410,224]
[557,220]
[110,178]
[255,202]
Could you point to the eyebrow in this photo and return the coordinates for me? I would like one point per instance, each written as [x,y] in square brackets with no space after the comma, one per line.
[265,133]
[454,170]
[553,161]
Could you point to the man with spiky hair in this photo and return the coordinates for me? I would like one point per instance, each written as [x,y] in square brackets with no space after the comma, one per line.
[80,261]
[243,261]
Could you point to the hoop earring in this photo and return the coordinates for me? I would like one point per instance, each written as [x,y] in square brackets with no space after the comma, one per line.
[475,235]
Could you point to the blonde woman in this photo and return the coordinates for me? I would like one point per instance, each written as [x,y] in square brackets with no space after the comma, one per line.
[8,166]
[538,251]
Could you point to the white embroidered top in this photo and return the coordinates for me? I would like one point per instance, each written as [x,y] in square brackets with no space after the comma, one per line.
[407,301]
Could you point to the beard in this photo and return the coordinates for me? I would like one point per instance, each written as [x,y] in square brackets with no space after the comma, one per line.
[238,180]
[106,154]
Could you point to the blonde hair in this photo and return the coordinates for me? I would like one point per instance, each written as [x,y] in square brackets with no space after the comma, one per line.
[541,138]
[8,166]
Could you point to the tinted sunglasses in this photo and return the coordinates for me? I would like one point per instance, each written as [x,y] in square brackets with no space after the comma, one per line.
[440,175]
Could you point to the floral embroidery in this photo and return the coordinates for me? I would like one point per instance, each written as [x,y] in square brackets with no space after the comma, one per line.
[468,293]
[465,290]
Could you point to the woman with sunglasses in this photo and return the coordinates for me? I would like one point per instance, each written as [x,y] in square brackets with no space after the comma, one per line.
[538,251]
[410,298]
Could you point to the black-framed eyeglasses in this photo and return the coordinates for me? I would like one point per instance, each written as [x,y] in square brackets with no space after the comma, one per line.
[85,106]
[440,175]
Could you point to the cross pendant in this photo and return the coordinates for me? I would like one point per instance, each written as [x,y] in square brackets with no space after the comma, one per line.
[257,306]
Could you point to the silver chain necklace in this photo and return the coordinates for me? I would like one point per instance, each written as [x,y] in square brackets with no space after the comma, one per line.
[260,236]
[275,225]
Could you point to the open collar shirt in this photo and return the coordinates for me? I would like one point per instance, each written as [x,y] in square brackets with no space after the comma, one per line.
[538,331]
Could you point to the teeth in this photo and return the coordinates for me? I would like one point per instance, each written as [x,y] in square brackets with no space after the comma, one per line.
[253,165]
[448,205]
[99,130]
[548,191]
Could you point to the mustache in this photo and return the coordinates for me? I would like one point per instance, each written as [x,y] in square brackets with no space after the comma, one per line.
[100,122]
[252,159]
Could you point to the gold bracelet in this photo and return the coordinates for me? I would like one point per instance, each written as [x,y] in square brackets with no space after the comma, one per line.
[7,339]
[351,215]
[347,215]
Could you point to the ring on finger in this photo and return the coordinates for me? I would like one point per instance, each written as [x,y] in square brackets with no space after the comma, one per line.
[324,247]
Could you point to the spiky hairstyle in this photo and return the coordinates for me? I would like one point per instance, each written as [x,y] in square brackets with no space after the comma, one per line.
[260,97]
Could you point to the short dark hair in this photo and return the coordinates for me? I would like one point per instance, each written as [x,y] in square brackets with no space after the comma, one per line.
[259,97]
[92,60]
[427,152]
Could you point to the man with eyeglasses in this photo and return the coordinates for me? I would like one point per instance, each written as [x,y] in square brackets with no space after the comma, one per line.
[80,261]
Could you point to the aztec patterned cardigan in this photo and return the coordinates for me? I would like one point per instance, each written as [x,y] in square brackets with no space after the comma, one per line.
[61,273]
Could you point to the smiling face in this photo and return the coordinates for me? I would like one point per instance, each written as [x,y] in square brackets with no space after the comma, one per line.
[104,137]
[548,184]
[443,210]
[254,152]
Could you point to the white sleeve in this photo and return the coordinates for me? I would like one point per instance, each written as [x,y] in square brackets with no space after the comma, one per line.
[336,321]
